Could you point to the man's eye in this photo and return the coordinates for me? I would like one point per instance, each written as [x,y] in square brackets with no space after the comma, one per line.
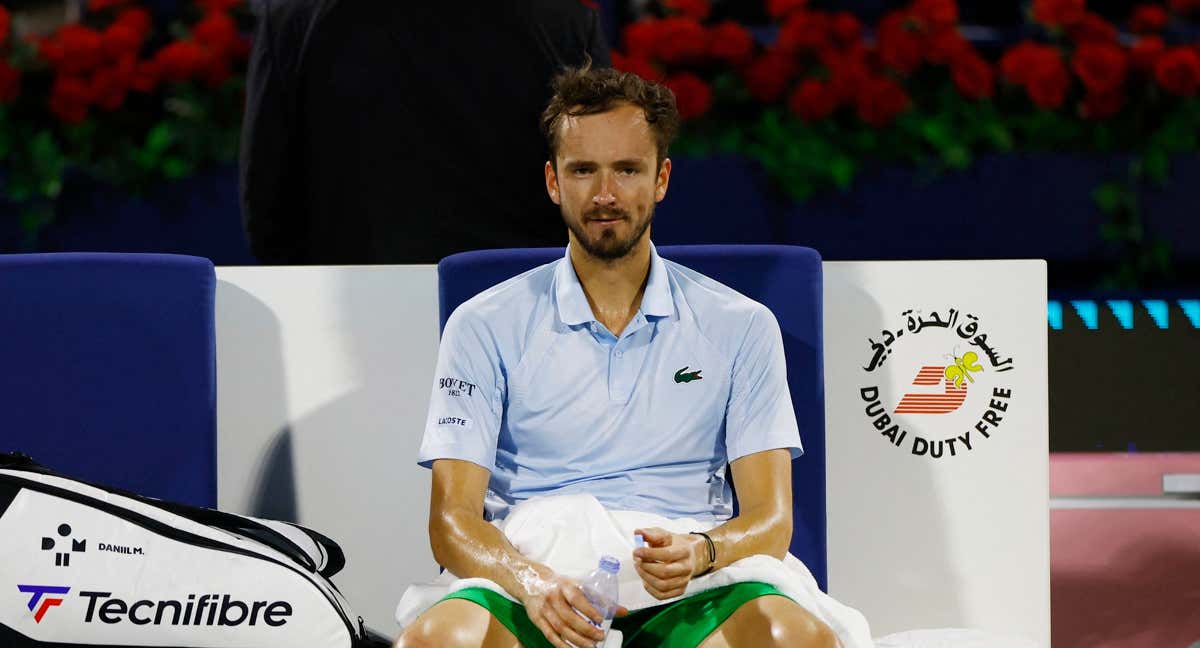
[582,171]
[629,171]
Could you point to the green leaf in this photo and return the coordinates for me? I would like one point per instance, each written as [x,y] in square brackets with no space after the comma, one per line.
[1111,232]
[937,132]
[1157,165]
[47,164]
[175,168]
[842,170]
[159,139]
[1109,197]
[956,157]
[35,216]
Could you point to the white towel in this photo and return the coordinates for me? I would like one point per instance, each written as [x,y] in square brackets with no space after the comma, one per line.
[569,533]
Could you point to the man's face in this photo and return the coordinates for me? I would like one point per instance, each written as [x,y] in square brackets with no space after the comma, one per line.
[607,183]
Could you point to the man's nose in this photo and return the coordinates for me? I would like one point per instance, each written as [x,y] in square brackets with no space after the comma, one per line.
[604,194]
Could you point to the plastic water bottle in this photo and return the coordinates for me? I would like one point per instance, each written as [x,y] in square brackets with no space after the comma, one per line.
[600,588]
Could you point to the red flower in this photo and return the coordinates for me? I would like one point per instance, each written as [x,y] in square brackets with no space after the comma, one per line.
[146,76]
[880,100]
[101,5]
[936,15]
[5,25]
[813,100]
[899,47]
[767,76]
[10,82]
[803,31]
[1101,105]
[847,29]
[781,8]
[218,5]
[1178,71]
[847,71]
[946,46]
[1048,83]
[693,97]
[638,66]
[1101,66]
[137,19]
[121,40]
[180,61]
[694,9]
[1018,62]
[1093,28]
[1146,51]
[216,31]
[683,40]
[69,99]
[108,89]
[641,38]
[731,42]
[216,70]
[1148,18]
[973,77]
[82,50]
[1058,13]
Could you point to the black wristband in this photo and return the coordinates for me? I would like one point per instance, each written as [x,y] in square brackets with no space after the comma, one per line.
[712,551]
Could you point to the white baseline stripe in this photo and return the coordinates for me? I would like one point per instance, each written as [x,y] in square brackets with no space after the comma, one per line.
[1124,502]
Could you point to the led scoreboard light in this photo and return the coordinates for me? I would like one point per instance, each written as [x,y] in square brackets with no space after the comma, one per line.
[1124,375]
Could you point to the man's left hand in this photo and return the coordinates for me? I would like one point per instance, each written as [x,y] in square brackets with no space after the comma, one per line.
[669,561]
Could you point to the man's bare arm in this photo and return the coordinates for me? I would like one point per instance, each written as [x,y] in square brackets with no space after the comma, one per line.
[464,542]
[470,547]
[763,526]
[764,521]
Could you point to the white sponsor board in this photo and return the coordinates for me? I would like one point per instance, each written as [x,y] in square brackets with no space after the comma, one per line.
[323,378]
[323,390]
[936,425]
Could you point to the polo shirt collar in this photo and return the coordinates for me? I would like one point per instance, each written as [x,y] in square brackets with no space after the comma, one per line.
[572,304]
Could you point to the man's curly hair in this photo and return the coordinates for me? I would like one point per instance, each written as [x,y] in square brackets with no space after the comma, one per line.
[587,91]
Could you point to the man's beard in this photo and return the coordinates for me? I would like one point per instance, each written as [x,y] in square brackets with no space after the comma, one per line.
[607,247]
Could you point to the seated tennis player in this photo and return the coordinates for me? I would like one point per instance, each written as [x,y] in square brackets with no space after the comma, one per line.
[614,373]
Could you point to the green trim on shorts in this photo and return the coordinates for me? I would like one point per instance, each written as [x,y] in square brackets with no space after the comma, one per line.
[681,624]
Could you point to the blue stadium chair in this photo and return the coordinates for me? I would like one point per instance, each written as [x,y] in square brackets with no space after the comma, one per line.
[787,279]
[108,369]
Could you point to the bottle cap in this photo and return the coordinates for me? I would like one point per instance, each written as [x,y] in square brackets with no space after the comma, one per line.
[610,564]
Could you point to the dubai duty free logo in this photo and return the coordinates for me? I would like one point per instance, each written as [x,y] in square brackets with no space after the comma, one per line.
[941,360]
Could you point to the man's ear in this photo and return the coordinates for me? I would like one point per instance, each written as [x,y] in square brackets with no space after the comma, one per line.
[664,179]
[552,183]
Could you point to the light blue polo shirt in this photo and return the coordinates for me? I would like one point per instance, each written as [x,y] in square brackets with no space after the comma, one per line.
[530,386]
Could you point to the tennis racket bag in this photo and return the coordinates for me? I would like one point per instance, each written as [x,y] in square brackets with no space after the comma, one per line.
[85,565]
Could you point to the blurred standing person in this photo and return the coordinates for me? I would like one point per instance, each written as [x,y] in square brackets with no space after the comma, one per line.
[398,132]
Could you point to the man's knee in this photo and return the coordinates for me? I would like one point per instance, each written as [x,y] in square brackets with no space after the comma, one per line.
[791,625]
[445,628]
[423,635]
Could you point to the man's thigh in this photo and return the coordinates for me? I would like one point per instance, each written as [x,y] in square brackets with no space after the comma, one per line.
[771,621]
[456,622]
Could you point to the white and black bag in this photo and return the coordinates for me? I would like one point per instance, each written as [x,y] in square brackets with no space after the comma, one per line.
[83,565]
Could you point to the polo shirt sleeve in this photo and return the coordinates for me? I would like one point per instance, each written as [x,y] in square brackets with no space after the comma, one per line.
[760,416]
[466,400]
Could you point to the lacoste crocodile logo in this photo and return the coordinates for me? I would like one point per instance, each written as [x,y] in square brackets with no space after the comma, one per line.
[681,377]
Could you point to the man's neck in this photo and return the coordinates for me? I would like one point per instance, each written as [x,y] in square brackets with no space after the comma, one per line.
[613,288]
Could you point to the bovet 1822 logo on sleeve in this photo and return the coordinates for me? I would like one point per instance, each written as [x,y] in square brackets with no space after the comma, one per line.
[916,383]
[456,387]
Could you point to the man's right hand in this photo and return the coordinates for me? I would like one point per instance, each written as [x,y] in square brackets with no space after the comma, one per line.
[551,602]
